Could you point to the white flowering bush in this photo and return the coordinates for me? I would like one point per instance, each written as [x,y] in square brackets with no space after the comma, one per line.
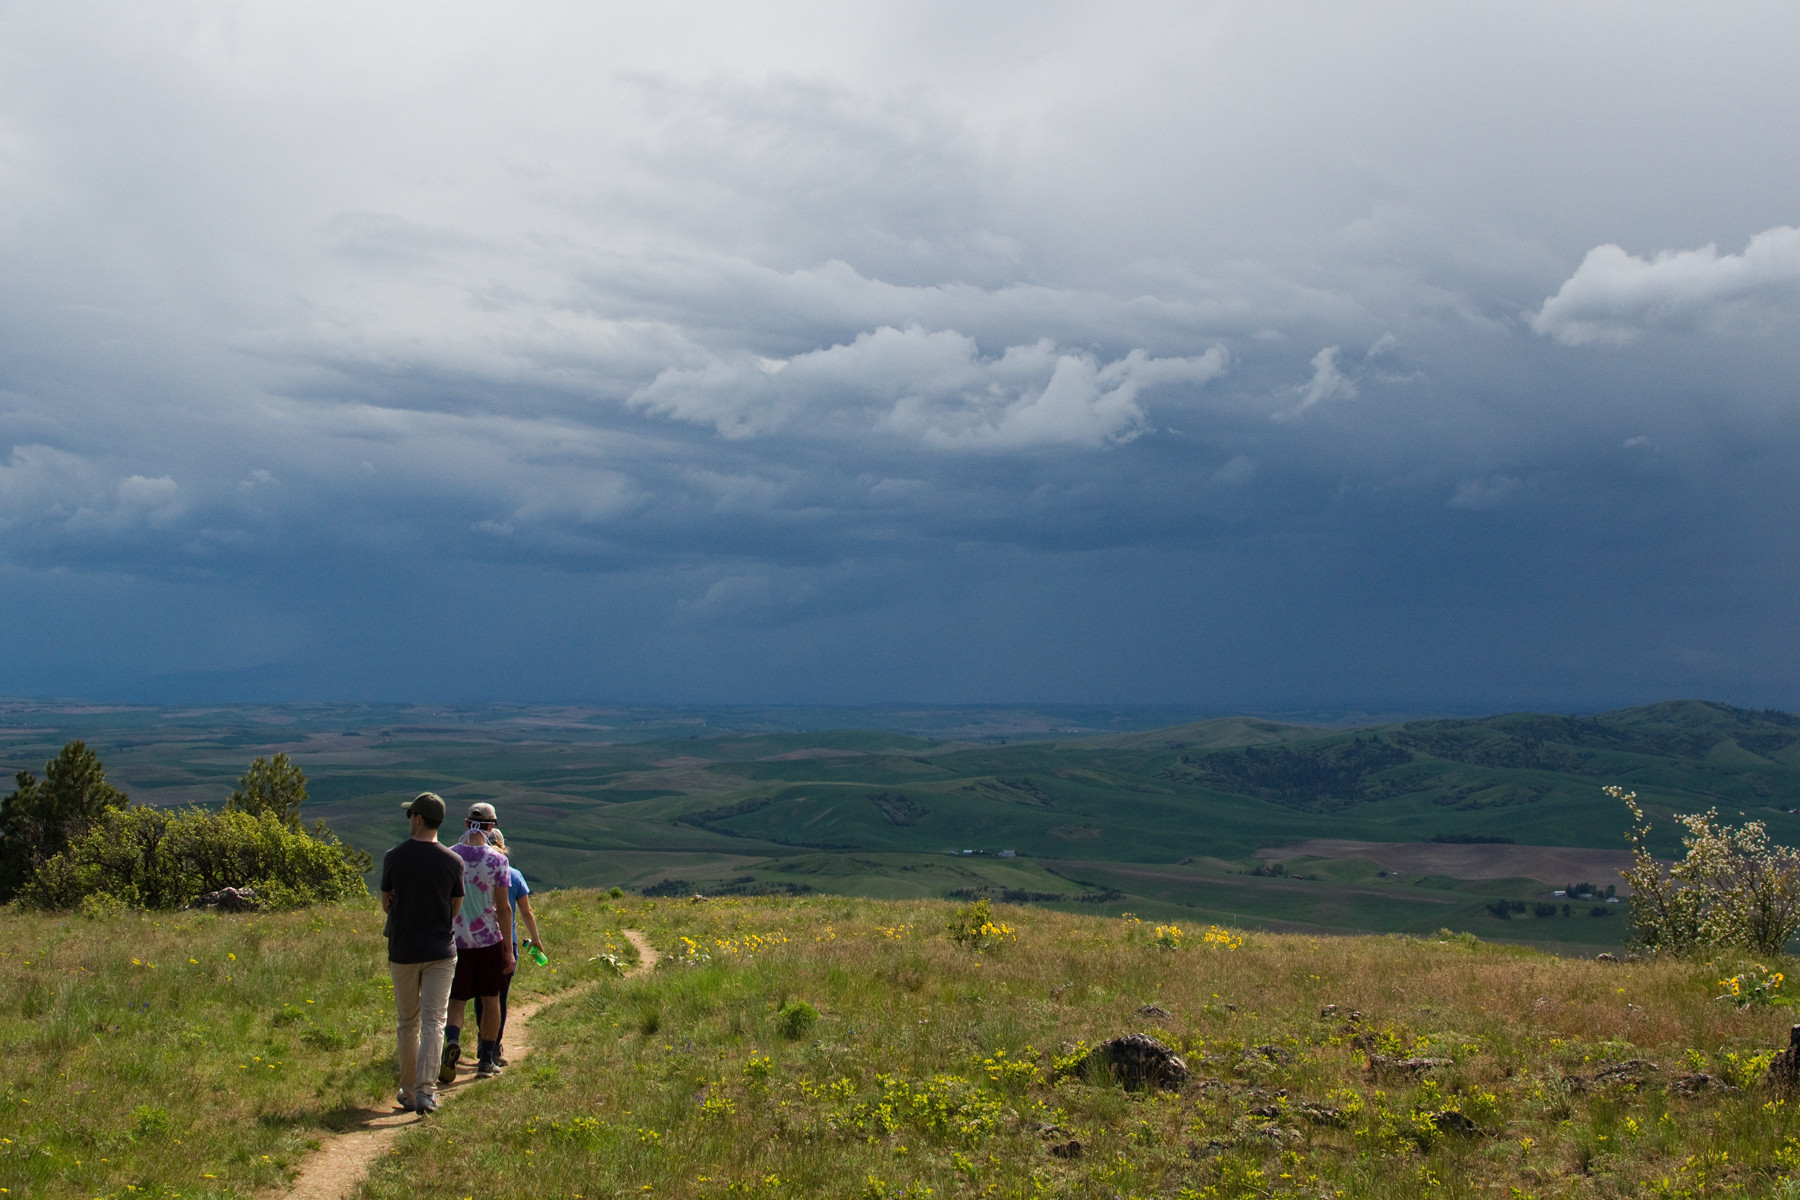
[1734,887]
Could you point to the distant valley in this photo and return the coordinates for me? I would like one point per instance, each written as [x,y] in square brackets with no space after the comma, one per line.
[1407,826]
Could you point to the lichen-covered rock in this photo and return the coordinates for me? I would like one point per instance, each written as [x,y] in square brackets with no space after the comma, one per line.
[1382,1065]
[1451,1121]
[1693,1085]
[1139,1061]
[228,900]
[1322,1114]
[1631,1072]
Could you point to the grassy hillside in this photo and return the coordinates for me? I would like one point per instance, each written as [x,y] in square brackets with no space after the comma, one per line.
[916,1067]
[200,1055]
[1166,823]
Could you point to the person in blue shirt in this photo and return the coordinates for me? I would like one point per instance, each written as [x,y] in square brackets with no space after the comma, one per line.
[518,893]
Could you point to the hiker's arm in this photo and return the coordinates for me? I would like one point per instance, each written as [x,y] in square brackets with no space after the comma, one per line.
[387,902]
[530,920]
[503,909]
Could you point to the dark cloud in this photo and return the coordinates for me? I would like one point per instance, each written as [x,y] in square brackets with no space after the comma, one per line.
[1190,354]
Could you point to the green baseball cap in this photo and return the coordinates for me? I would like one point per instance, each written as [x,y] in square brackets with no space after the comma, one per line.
[428,805]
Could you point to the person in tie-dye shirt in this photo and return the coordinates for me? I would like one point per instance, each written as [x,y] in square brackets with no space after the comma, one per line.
[484,945]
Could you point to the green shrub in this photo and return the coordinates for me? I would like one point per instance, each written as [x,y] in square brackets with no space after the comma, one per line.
[795,1017]
[152,1120]
[102,906]
[157,858]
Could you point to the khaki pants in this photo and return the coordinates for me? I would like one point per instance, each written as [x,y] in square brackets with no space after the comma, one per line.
[421,994]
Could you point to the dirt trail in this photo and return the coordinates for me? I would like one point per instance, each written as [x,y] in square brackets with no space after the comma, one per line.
[343,1160]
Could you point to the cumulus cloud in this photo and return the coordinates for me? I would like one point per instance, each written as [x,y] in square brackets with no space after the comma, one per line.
[1328,382]
[1615,297]
[47,495]
[933,387]
[41,483]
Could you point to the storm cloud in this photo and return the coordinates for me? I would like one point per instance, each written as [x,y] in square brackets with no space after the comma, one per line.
[1212,354]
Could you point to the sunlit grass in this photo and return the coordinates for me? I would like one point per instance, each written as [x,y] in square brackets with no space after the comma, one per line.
[934,1070]
[843,1048]
[201,1055]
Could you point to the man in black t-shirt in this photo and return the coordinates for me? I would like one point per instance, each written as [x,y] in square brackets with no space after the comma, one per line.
[421,887]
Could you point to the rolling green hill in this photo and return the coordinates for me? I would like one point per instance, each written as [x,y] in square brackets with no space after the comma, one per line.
[1408,826]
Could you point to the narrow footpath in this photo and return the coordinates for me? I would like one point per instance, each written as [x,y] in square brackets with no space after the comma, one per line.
[342,1161]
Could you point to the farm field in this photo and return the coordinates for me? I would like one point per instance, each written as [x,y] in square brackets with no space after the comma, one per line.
[1401,827]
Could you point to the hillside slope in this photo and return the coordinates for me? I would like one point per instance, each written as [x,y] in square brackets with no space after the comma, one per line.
[1239,819]
[848,1049]
[1175,821]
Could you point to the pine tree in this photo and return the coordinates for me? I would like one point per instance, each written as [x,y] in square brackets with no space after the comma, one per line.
[271,785]
[39,820]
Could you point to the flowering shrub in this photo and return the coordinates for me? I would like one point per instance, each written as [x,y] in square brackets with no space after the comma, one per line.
[1744,1068]
[1011,1074]
[946,1106]
[1169,936]
[975,928]
[692,952]
[1755,988]
[1734,887]
[750,943]
[1222,938]
[1069,1062]
[688,952]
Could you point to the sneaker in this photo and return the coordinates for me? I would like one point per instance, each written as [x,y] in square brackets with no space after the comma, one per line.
[425,1105]
[404,1101]
[487,1068]
[500,1058]
[447,1068]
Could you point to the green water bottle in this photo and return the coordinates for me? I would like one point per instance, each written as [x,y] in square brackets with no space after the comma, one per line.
[536,953]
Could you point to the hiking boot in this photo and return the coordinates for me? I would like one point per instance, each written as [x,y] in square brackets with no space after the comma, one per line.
[500,1058]
[405,1102]
[487,1068]
[447,1068]
[425,1105]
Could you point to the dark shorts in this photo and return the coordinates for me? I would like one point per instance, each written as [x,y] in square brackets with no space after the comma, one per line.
[479,972]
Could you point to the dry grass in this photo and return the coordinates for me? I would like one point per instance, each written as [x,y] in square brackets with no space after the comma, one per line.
[931,1070]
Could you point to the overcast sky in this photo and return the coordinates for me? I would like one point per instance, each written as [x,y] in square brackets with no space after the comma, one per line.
[1241,355]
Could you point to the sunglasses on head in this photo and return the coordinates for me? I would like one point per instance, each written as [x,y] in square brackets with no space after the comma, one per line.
[472,823]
